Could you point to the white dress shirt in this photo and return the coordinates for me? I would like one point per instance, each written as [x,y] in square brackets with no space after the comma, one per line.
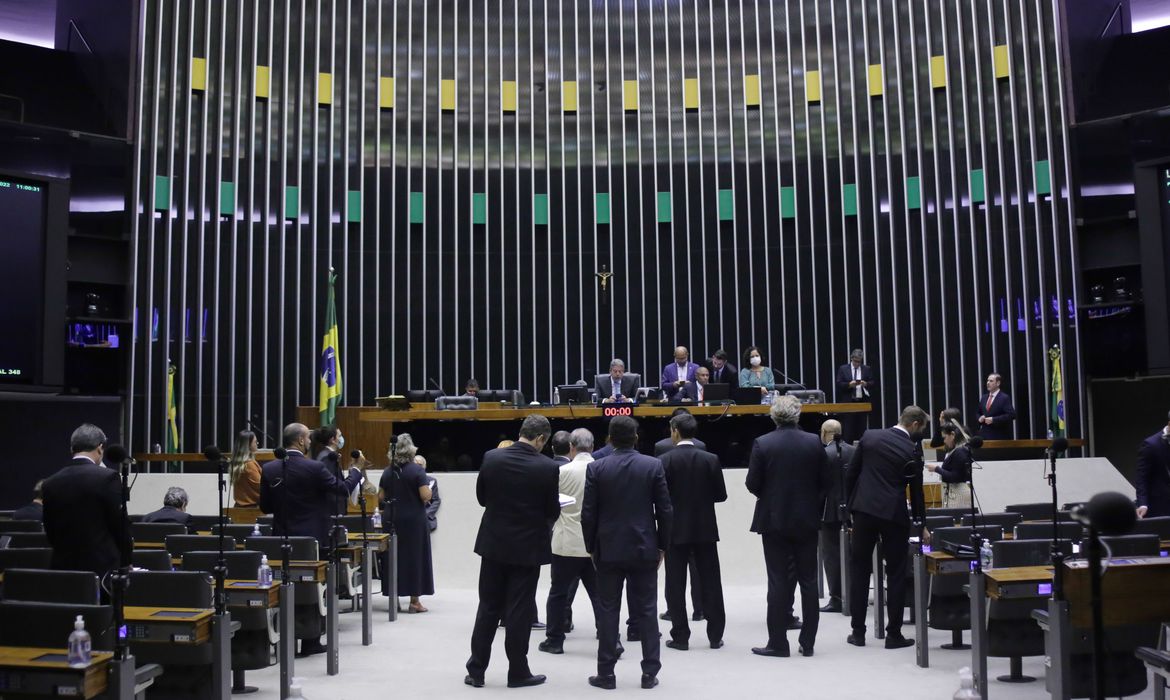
[568,540]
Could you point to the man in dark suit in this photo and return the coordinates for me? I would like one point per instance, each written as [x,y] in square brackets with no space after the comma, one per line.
[616,386]
[83,509]
[517,486]
[788,473]
[694,479]
[174,509]
[884,463]
[1153,474]
[626,521]
[667,443]
[300,493]
[839,453]
[856,383]
[995,411]
[722,371]
[693,391]
[678,374]
[34,509]
[560,446]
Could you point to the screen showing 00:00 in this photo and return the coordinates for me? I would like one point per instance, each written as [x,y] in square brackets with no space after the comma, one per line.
[611,411]
[22,286]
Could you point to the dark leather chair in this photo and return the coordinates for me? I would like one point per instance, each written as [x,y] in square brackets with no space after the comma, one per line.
[265,520]
[51,586]
[1043,530]
[10,526]
[456,403]
[309,606]
[156,532]
[1031,511]
[1153,526]
[949,607]
[934,522]
[203,523]
[28,558]
[37,624]
[422,395]
[242,564]
[27,540]
[1011,632]
[1005,520]
[1129,546]
[178,545]
[252,645]
[241,532]
[152,559]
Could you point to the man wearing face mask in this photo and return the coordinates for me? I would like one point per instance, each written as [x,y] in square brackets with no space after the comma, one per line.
[299,492]
[326,449]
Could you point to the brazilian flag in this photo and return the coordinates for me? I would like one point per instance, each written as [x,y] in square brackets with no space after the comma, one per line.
[330,392]
[1056,395]
[172,419]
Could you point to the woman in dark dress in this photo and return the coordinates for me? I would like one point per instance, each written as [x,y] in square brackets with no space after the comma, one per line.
[404,494]
[955,470]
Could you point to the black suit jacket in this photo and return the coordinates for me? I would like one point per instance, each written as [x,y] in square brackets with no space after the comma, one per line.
[836,490]
[728,375]
[956,466]
[666,445]
[845,375]
[305,495]
[884,462]
[517,486]
[83,518]
[694,479]
[626,516]
[603,386]
[1153,475]
[1002,414]
[167,514]
[788,472]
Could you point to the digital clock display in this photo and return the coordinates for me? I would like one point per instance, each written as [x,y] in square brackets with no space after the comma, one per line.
[611,411]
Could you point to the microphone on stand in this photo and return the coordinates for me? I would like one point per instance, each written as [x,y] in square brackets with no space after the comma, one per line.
[790,380]
[215,455]
[1058,446]
[436,385]
[255,428]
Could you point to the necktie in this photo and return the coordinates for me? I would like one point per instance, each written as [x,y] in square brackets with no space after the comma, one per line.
[700,392]
[989,400]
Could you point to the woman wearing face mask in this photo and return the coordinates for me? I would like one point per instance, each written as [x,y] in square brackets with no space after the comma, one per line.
[955,470]
[755,373]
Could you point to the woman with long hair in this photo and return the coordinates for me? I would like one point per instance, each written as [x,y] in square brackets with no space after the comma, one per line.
[245,471]
[404,493]
[955,469]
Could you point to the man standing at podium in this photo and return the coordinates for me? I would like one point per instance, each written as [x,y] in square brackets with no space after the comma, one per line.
[995,411]
[856,384]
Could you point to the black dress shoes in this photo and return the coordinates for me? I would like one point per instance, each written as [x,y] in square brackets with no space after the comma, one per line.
[473,681]
[681,646]
[649,681]
[898,642]
[806,651]
[620,649]
[550,647]
[310,647]
[717,644]
[527,682]
[605,682]
[857,640]
[833,606]
[794,623]
[538,625]
[665,616]
[769,651]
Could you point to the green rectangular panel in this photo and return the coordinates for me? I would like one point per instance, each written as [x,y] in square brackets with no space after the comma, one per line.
[162,192]
[479,208]
[601,204]
[416,207]
[787,202]
[664,208]
[292,202]
[227,198]
[978,189]
[354,210]
[914,192]
[849,199]
[1043,177]
[540,209]
[726,205]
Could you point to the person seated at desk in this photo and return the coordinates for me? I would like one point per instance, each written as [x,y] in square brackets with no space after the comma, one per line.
[32,510]
[722,371]
[693,391]
[174,509]
[471,388]
[955,470]
[677,374]
[245,470]
[616,386]
[755,372]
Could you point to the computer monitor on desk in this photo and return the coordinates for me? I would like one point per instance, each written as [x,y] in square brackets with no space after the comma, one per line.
[716,393]
[573,394]
[747,395]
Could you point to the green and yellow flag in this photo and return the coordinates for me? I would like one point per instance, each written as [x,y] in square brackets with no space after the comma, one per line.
[330,393]
[172,418]
[1056,395]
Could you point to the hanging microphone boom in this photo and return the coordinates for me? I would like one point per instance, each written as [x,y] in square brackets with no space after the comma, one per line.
[280,453]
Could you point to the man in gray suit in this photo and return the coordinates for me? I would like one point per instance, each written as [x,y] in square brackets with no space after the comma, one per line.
[839,453]
[616,386]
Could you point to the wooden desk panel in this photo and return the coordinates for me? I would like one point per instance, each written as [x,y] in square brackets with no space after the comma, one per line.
[1133,589]
[251,595]
[21,671]
[152,625]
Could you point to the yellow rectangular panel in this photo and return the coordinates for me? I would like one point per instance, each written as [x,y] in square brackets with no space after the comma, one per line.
[812,85]
[630,95]
[938,71]
[690,93]
[569,96]
[386,93]
[876,82]
[262,82]
[508,96]
[447,95]
[324,88]
[198,73]
[1002,60]
[751,90]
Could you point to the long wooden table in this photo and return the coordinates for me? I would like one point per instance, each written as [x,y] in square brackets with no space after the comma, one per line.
[38,671]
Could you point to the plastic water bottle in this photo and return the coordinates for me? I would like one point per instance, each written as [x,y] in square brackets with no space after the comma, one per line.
[966,689]
[556,396]
[376,519]
[294,688]
[256,530]
[264,573]
[79,644]
[985,555]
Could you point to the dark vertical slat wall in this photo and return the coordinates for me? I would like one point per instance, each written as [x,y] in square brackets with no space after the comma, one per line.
[807,176]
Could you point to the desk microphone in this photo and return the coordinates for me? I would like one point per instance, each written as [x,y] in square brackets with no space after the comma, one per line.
[356,454]
[1110,513]
[213,453]
[436,385]
[790,380]
[1058,445]
[116,454]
